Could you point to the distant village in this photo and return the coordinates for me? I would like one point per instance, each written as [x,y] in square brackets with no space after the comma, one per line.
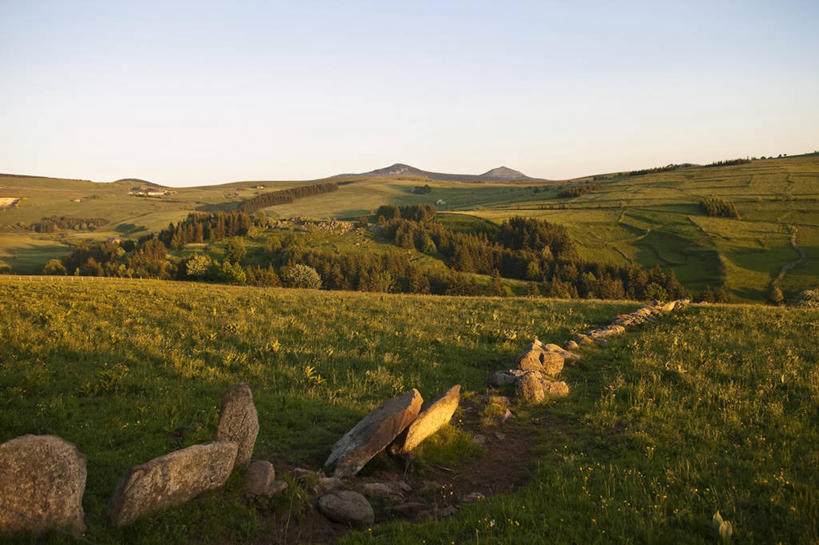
[147,191]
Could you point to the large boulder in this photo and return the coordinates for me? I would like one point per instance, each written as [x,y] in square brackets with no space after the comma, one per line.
[171,479]
[372,434]
[42,481]
[535,388]
[429,421]
[239,421]
[538,359]
[348,507]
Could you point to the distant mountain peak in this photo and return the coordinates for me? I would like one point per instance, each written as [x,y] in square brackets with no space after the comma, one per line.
[501,173]
[504,173]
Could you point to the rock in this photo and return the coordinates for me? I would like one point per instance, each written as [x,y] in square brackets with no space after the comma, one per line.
[479,439]
[500,435]
[277,487]
[540,360]
[506,416]
[372,434]
[607,331]
[472,497]
[603,343]
[565,354]
[530,388]
[42,481]
[391,491]
[239,421]
[535,388]
[347,507]
[328,484]
[571,345]
[260,476]
[643,311]
[431,419]
[555,389]
[506,378]
[669,307]
[171,479]
[584,340]
[304,475]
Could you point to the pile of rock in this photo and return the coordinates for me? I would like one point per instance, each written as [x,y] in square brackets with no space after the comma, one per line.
[536,371]
[599,336]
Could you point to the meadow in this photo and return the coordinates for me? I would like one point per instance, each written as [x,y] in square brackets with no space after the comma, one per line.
[710,409]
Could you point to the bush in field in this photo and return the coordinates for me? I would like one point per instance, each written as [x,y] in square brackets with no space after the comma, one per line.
[235,250]
[198,265]
[232,273]
[54,267]
[301,276]
[808,299]
[656,291]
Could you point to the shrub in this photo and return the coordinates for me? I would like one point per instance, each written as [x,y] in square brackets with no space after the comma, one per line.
[54,266]
[198,265]
[808,299]
[301,276]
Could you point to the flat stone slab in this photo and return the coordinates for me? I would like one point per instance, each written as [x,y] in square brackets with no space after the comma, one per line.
[372,434]
[171,479]
[431,419]
[42,481]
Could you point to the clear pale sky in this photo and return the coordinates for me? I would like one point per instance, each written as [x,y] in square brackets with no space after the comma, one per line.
[187,93]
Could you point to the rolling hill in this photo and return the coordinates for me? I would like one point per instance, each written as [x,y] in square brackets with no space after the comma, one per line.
[498,174]
[649,219]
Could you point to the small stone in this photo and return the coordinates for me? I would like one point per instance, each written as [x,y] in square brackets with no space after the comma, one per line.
[500,435]
[506,378]
[42,477]
[239,421]
[382,490]
[571,345]
[303,475]
[277,487]
[479,439]
[507,415]
[260,476]
[472,497]
[348,507]
[328,484]
[565,354]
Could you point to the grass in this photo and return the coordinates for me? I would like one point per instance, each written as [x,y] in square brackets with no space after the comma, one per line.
[129,370]
[712,408]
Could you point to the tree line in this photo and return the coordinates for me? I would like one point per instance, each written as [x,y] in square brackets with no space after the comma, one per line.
[54,223]
[531,250]
[578,190]
[714,206]
[285,196]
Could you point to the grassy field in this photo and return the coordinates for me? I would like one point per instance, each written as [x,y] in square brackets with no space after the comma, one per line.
[652,219]
[712,408]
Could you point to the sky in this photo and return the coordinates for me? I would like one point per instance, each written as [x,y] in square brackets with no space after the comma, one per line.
[204,92]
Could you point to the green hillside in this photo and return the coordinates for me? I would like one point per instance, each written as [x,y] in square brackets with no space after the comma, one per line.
[711,408]
[649,219]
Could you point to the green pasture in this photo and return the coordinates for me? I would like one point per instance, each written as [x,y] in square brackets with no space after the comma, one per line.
[712,408]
